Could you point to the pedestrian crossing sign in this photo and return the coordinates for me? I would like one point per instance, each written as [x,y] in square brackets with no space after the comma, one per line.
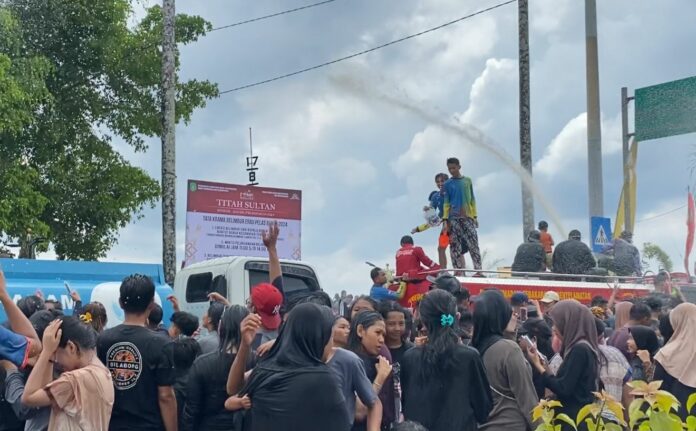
[601,233]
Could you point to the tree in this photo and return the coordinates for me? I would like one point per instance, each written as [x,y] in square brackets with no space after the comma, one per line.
[22,91]
[102,87]
[654,252]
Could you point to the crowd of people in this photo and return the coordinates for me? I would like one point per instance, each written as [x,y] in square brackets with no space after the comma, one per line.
[290,361]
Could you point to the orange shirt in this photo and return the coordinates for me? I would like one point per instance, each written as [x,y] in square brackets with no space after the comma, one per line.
[547,241]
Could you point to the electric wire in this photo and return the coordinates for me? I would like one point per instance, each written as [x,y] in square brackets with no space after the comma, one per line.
[367,51]
[271,15]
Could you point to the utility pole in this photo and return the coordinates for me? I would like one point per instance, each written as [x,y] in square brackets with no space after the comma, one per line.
[169,141]
[594,126]
[525,122]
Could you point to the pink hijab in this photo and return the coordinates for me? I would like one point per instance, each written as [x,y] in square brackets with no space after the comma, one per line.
[623,314]
[678,357]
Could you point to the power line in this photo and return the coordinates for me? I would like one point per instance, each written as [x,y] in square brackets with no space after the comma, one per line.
[271,16]
[661,215]
[236,24]
[357,54]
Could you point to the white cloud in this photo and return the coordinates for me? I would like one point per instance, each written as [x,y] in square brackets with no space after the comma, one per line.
[448,54]
[569,147]
[495,90]
[665,227]
[353,172]
[291,130]
[343,270]
[547,16]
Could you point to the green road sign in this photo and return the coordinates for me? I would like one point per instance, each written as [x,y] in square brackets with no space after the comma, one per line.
[666,109]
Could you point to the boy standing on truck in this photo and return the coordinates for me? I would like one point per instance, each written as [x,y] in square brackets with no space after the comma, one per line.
[141,364]
[547,241]
[460,216]
[434,213]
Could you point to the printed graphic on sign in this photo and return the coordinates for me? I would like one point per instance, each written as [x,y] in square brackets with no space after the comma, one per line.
[601,237]
[227,220]
[125,363]
[601,233]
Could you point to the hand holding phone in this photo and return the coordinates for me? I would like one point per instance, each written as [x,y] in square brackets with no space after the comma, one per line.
[73,293]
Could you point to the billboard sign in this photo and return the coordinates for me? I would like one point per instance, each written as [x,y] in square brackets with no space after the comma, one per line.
[667,109]
[227,220]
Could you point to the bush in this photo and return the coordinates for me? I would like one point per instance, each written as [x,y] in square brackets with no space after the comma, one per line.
[652,410]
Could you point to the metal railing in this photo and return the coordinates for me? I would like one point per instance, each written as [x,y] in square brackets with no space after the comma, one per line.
[550,276]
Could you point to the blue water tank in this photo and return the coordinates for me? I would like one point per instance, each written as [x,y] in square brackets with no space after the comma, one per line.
[94,281]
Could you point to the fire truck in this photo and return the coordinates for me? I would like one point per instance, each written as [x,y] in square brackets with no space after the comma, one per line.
[579,287]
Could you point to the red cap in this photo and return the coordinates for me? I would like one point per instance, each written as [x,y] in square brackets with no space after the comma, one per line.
[267,299]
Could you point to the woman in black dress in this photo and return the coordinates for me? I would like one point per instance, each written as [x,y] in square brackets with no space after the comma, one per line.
[578,376]
[444,382]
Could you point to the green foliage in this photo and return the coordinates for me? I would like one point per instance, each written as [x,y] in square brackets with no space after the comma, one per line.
[545,414]
[21,206]
[652,410]
[652,251]
[22,86]
[80,79]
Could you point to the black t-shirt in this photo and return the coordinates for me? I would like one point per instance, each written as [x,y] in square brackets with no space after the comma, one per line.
[398,353]
[140,361]
[456,401]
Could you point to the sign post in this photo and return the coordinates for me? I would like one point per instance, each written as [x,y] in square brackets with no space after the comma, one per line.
[601,233]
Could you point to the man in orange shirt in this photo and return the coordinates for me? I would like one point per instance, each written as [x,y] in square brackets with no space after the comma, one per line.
[547,241]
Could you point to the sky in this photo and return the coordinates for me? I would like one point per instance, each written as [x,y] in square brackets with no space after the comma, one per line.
[366,166]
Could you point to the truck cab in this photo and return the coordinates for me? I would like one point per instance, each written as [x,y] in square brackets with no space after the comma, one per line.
[233,277]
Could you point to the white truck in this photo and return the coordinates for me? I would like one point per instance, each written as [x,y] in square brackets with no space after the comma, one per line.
[233,277]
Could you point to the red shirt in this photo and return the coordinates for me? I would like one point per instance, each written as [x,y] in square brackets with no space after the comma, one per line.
[412,260]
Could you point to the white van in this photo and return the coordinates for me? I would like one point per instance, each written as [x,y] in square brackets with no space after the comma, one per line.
[233,277]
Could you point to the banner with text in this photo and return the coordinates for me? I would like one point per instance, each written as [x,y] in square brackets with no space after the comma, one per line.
[227,220]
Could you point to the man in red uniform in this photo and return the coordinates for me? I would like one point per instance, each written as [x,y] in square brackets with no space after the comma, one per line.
[410,262]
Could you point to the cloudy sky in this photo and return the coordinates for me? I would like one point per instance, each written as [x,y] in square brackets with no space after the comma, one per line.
[366,166]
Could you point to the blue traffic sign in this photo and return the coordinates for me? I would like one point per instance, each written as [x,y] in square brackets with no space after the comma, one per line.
[601,233]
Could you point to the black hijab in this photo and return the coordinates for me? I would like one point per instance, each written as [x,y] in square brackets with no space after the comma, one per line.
[492,314]
[292,389]
[645,339]
[302,338]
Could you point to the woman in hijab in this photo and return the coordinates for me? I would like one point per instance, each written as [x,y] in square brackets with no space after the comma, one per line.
[642,345]
[509,373]
[622,315]
[578,376]
[676,362]
[292,388]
